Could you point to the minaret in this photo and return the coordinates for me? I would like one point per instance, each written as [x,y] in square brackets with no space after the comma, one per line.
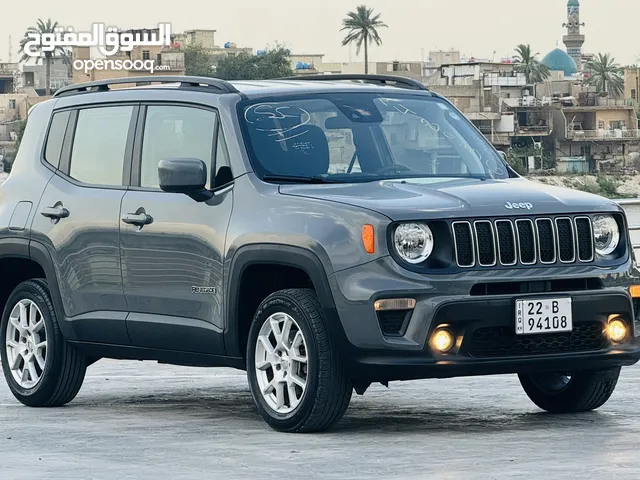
[574,40]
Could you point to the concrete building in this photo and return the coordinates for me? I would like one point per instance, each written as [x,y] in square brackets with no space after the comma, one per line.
[206,38]
[9,73]
[632,85]
[411,69]
[13,108]
[34,74]
[313,63]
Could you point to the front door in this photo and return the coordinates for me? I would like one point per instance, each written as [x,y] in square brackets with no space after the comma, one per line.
[78,219]
[171,245]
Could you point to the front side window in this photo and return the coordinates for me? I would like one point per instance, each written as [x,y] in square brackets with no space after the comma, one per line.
[99,145]
[176,132]
[350,137]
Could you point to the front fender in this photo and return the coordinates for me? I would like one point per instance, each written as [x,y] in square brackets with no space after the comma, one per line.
[277,254]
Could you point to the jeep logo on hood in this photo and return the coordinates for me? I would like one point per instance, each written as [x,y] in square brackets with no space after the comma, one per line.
[518,206]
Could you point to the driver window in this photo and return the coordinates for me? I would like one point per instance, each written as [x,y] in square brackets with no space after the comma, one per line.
[172,131]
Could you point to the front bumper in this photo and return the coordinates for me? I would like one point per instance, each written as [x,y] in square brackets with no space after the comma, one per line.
[484,322]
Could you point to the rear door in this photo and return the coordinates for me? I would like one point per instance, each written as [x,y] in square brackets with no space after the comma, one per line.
[78,218]
[172,263]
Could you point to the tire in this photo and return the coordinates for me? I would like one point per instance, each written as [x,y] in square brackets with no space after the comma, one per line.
[327,390]
[64,368]
[579,392]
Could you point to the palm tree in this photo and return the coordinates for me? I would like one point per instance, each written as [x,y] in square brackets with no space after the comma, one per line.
[605,75]
[43,28]
[363,28]
[533,69]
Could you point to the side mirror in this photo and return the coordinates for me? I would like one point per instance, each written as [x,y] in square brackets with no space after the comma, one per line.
[184,175]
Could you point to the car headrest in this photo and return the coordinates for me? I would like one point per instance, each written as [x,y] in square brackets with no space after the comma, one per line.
[302,151]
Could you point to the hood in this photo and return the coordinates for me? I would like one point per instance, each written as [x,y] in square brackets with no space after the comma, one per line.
[424,198]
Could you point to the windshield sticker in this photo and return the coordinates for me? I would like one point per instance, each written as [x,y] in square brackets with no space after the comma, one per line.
[281,121]
[400,108]
[494,166]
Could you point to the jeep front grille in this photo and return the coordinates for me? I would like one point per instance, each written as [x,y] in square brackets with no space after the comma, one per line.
[524,241]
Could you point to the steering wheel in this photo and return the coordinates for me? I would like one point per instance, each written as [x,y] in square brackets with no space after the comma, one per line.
[396,167]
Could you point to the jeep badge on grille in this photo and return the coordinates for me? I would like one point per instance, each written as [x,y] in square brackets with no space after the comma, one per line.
[518,206]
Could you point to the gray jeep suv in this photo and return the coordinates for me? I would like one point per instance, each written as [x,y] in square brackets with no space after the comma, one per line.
[322,233]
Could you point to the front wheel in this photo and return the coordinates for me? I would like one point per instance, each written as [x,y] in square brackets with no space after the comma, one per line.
[569,393]
[295,375]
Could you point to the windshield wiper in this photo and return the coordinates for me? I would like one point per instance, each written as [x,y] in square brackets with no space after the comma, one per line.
[439,175]
[298,179]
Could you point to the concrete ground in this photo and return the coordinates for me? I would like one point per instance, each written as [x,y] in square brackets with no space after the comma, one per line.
[140,420]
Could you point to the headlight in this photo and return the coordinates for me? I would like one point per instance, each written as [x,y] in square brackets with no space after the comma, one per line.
[413,242]
[606,234]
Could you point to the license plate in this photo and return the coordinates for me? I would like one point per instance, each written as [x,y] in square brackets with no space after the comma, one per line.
[543,315]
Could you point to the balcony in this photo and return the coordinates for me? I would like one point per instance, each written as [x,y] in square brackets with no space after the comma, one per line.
[610,135]
[532,130]
[527,102]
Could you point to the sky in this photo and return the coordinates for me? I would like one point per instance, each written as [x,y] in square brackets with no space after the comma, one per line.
[475,28]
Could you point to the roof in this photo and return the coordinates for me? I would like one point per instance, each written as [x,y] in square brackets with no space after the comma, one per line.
[559,61]
[573,3]
[269,87]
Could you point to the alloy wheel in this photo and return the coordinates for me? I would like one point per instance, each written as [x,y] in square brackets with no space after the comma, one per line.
[281,363]
[26,344]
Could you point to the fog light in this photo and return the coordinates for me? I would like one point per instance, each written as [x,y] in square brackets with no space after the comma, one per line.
[617,330]
[443,340]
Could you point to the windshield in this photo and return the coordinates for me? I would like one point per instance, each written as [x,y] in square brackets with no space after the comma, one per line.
[350,137]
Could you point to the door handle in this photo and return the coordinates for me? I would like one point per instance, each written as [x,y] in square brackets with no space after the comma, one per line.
[55,213]
[138,219]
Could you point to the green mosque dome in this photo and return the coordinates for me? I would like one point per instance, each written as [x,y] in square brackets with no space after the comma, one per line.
[559,61]
[573,3]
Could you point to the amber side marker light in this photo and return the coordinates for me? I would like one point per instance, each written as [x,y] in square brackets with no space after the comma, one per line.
[394,304]
[634,290]
[616,329]
[368,238]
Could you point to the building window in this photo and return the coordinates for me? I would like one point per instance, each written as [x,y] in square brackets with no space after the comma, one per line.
[601,125]
[633,93]
[12,104]
[145,55]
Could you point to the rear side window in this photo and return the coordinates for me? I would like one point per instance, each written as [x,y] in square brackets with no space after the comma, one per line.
[55,138]
[99,145]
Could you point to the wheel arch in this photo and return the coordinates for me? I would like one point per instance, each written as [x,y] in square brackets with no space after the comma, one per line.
[275,256]
[39,254]
[22,259]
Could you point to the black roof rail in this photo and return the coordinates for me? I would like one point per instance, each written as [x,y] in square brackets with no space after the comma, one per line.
[396,81]
[103,85]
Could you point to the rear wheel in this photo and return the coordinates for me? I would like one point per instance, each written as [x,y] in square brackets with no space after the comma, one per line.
[40,367]
[569,393]
[295,375]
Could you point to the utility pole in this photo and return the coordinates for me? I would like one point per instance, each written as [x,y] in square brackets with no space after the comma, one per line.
[10,50]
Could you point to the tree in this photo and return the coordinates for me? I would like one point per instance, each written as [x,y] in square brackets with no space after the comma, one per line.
[527,63]
[363,28]
[605,75]
[274,63]
[197,61]
[40,29]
